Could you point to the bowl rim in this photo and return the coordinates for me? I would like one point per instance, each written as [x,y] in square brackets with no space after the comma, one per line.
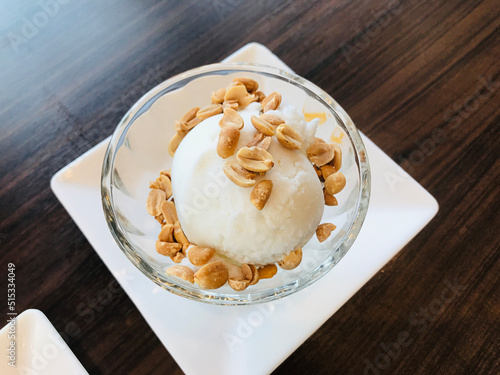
[178,287]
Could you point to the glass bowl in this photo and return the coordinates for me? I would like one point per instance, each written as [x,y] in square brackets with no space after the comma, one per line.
[138,152]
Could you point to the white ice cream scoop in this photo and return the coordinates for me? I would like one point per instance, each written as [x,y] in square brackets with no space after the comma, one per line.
[215,212]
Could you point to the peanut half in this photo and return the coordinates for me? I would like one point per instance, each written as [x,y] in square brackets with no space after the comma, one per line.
[249,83]
[179,235]
[324,231]
[218,96]
[174,143]
[320,154]
[250,272]
[209,111]
[289,137]
[260,140]
[239,175]
[183,272]
[167,233]
[231,118]
[200,256]
[271,102]
[189,115]
[335,183]
[228,140]
[233,104]
[261,193]
[168,248]
[255,159]
[238,284]
[212,275]
[259,96]
[330,200]
[178,257]
[267,271]
[327,170]
[263,126]
[164,183]
[292,260]
[272,119]
[155,198]
[182,128]
[239,94]
[169,212]
[337,158]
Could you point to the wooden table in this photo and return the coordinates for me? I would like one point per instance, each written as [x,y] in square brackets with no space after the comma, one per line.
[421,79]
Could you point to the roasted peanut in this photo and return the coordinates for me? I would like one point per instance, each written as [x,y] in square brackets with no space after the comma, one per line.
[212,275]
[262,125]
[255,159]
[249,83]
[320,153]
[218,96]
[167,233]
[228,140]
[200,255]
[189,115]
[324,231]
[160,219]
[272,119]
[239,175]
[154,201]
[261,193]
[267,271]
[289,137]
[209,111]
[233,104]
[250,272]
[259,96]
[260,140]
[327,170]
[271,102]
[174,143]
[319,140]
[335,183]
[183,272]
[337,158]
[167,173]
[292,260]
[168,248]
[165,184]
[181,128]
[330,200]
[178,257]
[169,212]
[318,172]
[179,234]
[231,118]
[238,284]
[239,94]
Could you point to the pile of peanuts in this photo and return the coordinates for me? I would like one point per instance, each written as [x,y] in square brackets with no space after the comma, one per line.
[251,161]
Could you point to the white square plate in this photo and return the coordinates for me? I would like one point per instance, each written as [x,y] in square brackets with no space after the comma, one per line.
[206,339]
[38,348]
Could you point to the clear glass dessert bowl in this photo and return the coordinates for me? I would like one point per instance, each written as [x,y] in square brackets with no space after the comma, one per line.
[138,151]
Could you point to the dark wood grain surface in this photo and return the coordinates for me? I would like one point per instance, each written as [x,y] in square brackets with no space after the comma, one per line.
[420,78]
